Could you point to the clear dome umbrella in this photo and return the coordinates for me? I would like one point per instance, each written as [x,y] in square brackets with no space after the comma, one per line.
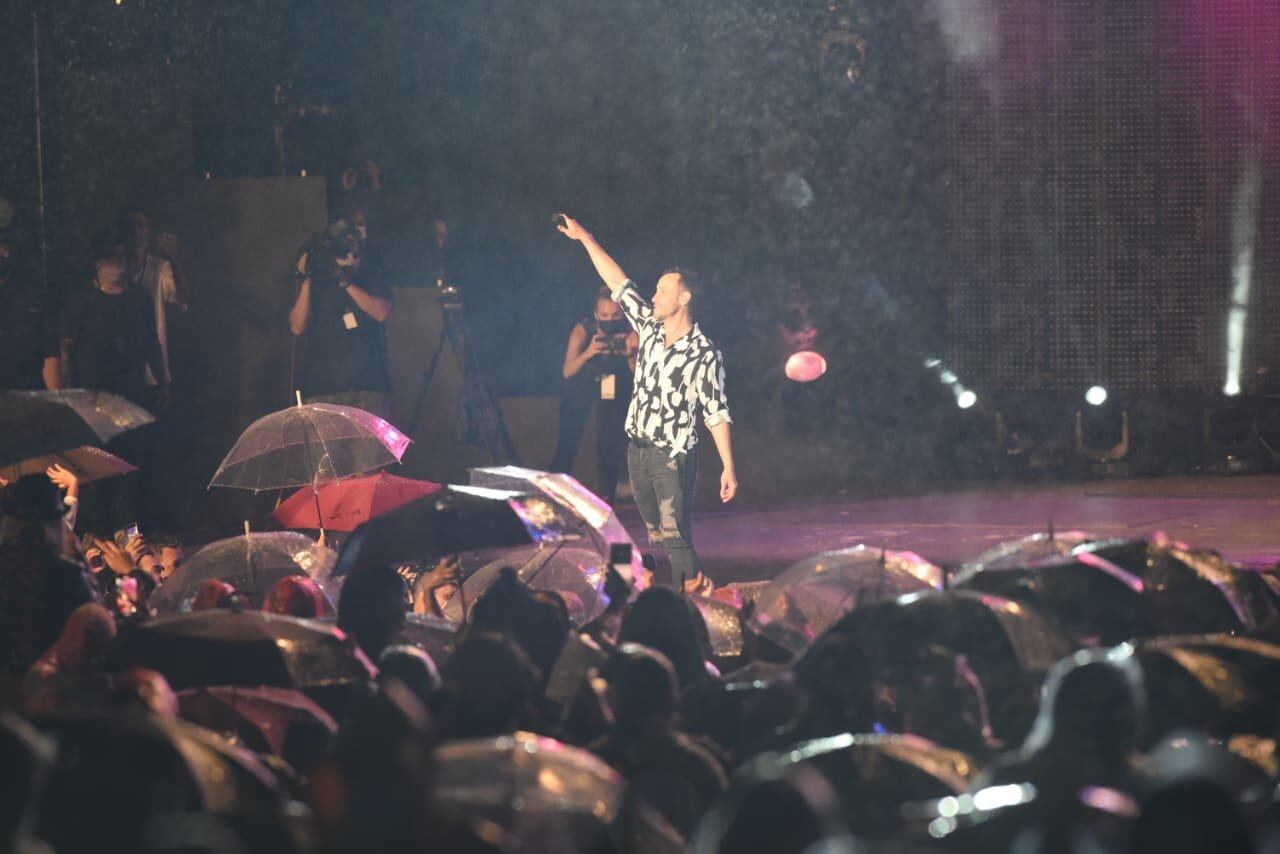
[811,596]
[1024,552]
[251,563]
[538,789]
[573,570]
[309,444]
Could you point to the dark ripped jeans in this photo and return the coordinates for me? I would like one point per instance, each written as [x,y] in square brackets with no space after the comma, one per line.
[663,489]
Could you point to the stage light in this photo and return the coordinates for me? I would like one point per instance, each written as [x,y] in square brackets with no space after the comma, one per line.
[1096,396]
[1244,226]
[932,363]
[966,399]
[805,366]
[948,378]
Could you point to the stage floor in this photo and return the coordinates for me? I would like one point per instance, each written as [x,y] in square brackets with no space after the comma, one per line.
[1238,516]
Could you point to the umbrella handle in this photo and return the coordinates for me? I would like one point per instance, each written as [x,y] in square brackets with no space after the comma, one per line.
[315,493]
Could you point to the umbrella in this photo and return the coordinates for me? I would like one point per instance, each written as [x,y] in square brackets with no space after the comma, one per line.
[346,504]
[455,519]
[1024,552]
[114,765]
[536,788]
[809,596]
[1111,590]
[309,444]
[258,717]
[877,774]
[87,463]
[251,563]
[576,572]
[724,626]
[1219,684]
[600,523]
[433,635]
[1007,645]
[242,648]
[35,423]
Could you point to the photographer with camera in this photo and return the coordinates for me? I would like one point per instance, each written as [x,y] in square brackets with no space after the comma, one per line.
[338,315]
[599,364]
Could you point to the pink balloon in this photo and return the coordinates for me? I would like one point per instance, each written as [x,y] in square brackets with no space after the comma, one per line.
[805,366]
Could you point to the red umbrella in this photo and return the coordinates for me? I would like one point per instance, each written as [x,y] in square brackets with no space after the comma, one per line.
[344,505]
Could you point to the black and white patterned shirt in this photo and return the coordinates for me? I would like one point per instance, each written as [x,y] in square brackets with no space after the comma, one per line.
[672,384]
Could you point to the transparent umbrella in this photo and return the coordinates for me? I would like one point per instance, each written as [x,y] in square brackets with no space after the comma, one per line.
[33,423]
[810,596]
[574,570]
[1024,552]
[538,789]
[251,563]
[309,444]
[1107,591]
[876,775]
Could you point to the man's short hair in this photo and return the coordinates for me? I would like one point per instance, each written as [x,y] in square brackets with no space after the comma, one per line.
[691,282]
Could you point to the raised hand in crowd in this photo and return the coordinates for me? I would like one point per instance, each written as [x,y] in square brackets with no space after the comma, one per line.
[441,577]
[64,479]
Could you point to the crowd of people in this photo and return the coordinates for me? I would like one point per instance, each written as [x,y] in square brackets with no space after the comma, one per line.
[108,749]
[632,731]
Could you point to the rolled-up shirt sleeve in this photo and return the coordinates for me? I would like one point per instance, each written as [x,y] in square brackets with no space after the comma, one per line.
[634,307]
[710,386]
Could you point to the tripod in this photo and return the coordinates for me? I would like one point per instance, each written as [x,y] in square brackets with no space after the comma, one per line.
[479,418]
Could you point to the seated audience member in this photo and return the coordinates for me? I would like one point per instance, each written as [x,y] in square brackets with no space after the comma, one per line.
[662,619]
[413,668]
[534,620]
[39,587]
[125,585]
[83,645]
[1086,733]
[214,594]
[667,769]
[489,686]
[296,596]
[795,812]
[372,608]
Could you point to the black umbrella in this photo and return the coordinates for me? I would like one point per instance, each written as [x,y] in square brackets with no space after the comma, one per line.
[242,648]
[877,774]
[1112,590]
[113,766]
[455,519]
[35,423]
[1008,646]
[1219,684]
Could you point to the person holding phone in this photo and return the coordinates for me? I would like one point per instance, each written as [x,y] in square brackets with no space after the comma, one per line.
[679,377]
[599,362]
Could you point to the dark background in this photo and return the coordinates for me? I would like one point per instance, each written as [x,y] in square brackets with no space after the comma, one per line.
[1039,195]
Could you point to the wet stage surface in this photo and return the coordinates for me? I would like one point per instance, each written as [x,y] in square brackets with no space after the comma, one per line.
[1238,516]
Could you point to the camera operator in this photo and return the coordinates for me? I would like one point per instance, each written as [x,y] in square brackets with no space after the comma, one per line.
[599,364]
[339,314]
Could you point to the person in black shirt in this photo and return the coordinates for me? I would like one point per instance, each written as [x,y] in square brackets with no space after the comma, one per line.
[108,331]
[109,340]
[28,335]
[339,316]
[599,362]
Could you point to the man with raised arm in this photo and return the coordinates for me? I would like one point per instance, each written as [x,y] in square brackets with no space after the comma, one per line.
[679,373]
